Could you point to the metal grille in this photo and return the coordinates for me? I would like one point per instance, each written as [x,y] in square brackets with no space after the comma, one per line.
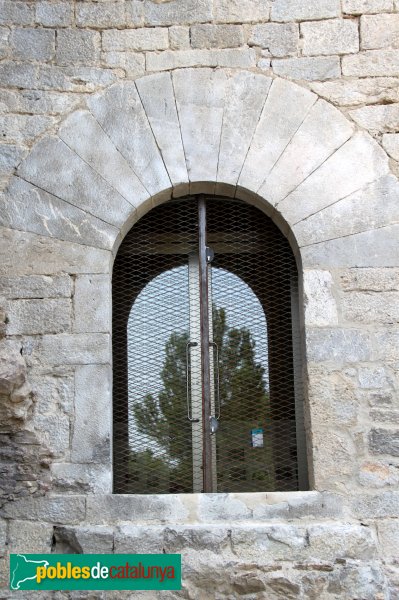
[237,427]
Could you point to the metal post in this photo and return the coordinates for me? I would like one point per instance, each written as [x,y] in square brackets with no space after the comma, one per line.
[205,361]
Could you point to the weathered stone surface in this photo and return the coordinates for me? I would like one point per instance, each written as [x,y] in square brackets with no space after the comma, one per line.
[328,542]
[200,96]
[376,205]
[77,47]
[130,131]
[83,134]
[179,37]
[67,349]
[320,304]
[296,10]
[56,509]
[390,142]
[371,63]
[357,163]
[54,167]
[20,75]
[285,108]
[230,57]
[353,250]
[157,95]
[272,542]
[347,92]
[36,286]
[334,450]
[81,479]
[377,280]
[388,534]
[379,31]
[10,157]
[322,132]
[32,44]
[335,36]
[104,14]
[73,79]
[29,537]
[236,11]
[20,13]
[338,345]
[370,506]
[279,39]
[38,316]
[37,102]
[42,255]
[216,36]
[377,474]
[135,39]
[373,378]
[133,539]
[385,416]
[4,47]
[54,14]
[83,540]
[222,506]
[358,7]
[19,129]
[92,304]
[308,68]
[243,90]
[134,13]
[114,509]
[28,208]
[176,12]
[91,431]
[377,118]
[384,441]
[132,62]
[371,307]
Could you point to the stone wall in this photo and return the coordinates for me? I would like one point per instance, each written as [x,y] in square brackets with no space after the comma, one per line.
[84,154]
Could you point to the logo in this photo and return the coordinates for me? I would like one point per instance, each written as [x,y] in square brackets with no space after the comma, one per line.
[95,571]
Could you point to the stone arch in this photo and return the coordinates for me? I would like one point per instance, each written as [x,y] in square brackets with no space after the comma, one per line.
[268,141]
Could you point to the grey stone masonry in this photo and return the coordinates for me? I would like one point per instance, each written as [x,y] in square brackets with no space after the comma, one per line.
[335,36]
[136,39]
[32,44]
[279,39]
[75,47]
[105,14]
[308,68]
[379,31]
[216,36]
[298,10]
[54,14]
[358,7]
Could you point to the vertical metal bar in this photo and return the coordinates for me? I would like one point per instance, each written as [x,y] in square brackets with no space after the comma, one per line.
[205,361]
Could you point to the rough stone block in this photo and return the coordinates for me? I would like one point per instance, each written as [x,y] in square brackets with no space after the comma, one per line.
[55,168]
[371,63]
[320,304]
[328,129]
[29,537]
[358,7]
[54,14]
[134,13]
[40,255]
[18,75]
[239,125]
[158,98]
[379,31]
[297,10]
[133,539]
[378,118]
[357,163]
[217,36]
[384,441]
[32,44]
[390,142]
[376,205]
[388,535]
[371,307]
[390,417]
[18,13]
[77,47]
[4,44]
[101,15]
[74,79]
[331,541]
[346,92]
[81,479]
[38,102]
[179,37]
[230,57]
[279,542]
[335,36]
[86,137]
[285,109]
[373,378]
[83,540]
[54,393]
[135,39]
[310,69]
[36,286]
[92,304]
[20,129]
[26,207]
[10,157]
[217,507]
[130,131]
[140,509]
[373,474]
[177,12]
[340,346]
[55,509]
[241,11]
[55,433]
[132,62]
[67,349]
[38,316]
[279,39]
[373,506]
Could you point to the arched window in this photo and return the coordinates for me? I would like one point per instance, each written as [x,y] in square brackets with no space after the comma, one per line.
[206,353]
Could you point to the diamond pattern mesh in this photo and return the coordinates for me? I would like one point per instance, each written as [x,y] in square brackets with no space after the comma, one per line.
[255,395]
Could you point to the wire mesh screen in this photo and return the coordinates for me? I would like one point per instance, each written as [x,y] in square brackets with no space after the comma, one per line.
[256,399]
